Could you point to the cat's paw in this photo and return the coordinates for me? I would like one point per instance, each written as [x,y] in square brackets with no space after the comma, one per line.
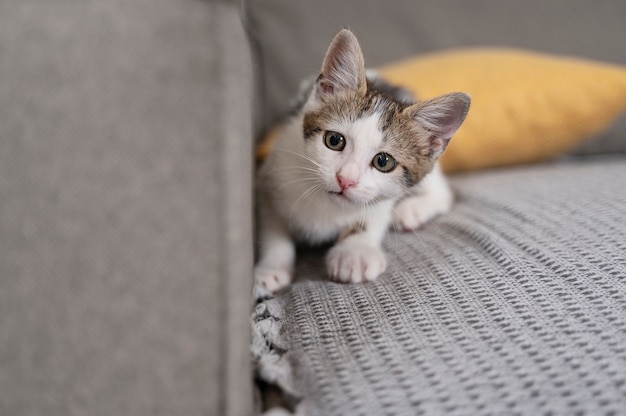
[271,279]
[350,262]
[415,211]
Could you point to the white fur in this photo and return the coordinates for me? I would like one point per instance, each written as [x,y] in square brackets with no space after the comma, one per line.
[300,191]
[433,197]
[296,202]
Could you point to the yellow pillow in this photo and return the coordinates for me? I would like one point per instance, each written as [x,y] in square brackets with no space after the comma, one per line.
[526,106]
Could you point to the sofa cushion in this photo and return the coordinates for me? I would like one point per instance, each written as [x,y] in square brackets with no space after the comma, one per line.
[511,304]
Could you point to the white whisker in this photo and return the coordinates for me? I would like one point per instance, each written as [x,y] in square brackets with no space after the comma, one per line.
[306,194]
[303,156]
[303,180]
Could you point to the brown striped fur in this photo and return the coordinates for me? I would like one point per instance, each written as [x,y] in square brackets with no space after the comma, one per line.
[414,147]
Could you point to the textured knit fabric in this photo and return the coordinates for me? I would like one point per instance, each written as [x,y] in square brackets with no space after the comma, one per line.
[513,303]
[125,208]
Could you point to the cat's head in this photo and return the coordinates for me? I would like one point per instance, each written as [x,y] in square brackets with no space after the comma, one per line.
[371,142]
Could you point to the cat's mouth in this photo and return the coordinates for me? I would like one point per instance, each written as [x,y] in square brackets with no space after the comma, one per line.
[350,199]
[337,193]
[341,197]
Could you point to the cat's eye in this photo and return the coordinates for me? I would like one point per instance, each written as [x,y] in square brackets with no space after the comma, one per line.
[384,162]
[334,140]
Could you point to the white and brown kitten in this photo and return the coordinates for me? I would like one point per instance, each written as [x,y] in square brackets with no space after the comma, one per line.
[357,156]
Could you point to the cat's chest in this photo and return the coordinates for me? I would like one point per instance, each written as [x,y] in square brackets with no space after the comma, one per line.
[316,218]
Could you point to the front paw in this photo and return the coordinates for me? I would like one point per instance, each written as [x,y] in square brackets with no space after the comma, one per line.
[271,279]
[413,212]
[354,262]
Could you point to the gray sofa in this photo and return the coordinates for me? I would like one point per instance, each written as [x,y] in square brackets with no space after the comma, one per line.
[126,141]
[125,208]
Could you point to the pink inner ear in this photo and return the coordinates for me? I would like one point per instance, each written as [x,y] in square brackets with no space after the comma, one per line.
[343,68]
[449,127]
[439,143]
[442,116]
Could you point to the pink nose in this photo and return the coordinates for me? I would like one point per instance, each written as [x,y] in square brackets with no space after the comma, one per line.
[345,183]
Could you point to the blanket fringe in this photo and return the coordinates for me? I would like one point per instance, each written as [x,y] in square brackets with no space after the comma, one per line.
[268,351]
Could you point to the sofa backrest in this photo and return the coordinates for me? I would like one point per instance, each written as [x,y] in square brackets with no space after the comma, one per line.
[289,38]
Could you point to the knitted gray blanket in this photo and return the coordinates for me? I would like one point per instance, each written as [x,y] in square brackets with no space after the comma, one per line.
[514,303]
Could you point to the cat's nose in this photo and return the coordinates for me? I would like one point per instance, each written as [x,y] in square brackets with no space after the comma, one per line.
[345,183]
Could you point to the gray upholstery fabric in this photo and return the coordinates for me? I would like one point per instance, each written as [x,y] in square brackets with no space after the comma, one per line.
[514,303]
[124,202]
[290,37]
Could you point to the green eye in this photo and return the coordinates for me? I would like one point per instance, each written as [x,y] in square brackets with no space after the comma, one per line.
[384,162]
[334,140]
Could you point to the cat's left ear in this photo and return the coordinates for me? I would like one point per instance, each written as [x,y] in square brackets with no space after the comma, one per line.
[343,68]
[441,117]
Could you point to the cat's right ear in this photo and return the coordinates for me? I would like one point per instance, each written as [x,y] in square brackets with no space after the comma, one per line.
[441,117]
[343,68]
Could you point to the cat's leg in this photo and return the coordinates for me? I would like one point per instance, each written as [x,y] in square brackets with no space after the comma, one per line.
[430,198]
[358,256]
[274,269]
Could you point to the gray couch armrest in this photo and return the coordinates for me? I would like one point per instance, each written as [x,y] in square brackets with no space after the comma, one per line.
[125,208]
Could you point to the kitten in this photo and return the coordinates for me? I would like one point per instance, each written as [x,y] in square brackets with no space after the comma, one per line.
[357,156]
